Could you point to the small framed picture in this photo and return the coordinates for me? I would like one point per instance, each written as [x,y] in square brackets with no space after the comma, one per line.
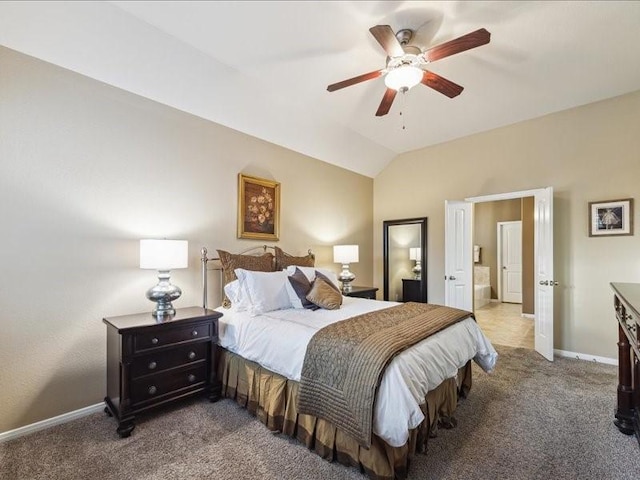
[611,217]
[258,208]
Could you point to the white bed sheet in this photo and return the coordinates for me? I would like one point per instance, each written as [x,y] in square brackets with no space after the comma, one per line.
[278,341]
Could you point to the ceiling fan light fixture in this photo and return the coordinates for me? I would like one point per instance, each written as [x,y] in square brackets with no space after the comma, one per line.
[403,77]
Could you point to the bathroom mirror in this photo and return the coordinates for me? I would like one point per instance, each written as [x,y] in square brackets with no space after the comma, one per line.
[405,259]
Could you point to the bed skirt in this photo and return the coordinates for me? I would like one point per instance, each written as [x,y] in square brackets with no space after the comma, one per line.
[272,399]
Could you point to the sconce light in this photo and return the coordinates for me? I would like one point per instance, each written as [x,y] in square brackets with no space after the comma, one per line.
[164,256]
[415,253]
[345,254]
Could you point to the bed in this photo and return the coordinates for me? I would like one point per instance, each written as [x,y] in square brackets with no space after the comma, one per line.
[264,340]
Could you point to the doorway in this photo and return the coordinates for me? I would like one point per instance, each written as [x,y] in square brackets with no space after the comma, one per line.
[459,259]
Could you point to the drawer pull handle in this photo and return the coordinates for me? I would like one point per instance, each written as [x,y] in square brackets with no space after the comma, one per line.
[154,340]
[152,390]
[192,355]
[152,365]
[194,333]
[191,378]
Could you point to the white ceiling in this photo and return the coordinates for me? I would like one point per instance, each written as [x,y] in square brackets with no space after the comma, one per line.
[263,67]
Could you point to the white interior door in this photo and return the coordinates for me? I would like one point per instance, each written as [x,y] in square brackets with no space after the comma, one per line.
[458,263]
[510,261]
[544,283]
[543,262]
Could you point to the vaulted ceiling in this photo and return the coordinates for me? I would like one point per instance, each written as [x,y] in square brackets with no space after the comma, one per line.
[263,67]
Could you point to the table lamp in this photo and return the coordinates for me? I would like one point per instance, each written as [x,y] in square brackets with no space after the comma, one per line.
[345,254]
[164,256]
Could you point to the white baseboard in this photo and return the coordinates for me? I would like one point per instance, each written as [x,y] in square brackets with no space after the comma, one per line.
[50,422]
[529,315]
[589,358]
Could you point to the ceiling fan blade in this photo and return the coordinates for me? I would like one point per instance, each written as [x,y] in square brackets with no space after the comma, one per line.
[385,37]
[460,44]
[352,81]
[387,100]
[441,84]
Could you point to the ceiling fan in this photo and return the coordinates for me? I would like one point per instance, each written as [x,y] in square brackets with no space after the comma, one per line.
[405,63]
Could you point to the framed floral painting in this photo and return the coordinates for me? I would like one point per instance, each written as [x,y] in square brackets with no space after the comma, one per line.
[611,217]
[258,208]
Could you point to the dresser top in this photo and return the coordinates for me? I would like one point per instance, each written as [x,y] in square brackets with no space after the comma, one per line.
[126,322]
[630,293]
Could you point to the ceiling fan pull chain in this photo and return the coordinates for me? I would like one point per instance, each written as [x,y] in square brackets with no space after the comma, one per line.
[404,94]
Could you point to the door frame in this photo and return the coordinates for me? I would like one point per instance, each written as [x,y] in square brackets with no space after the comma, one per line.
[499,265]
[544,321]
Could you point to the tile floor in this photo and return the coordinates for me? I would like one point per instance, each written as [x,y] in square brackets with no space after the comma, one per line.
[504,324]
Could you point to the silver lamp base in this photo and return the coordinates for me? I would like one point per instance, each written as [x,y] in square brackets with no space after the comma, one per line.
[417,271]
[163,294]
[346,277]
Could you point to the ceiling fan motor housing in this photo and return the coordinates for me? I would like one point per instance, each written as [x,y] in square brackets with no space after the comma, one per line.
[404,36]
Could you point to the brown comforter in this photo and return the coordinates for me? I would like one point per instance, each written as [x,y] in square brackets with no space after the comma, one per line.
[344,361]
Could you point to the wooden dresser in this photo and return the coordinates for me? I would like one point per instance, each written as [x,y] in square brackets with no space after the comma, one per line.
[151,362]
[627,306]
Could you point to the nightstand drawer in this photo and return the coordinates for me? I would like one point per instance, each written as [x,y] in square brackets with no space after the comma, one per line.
[168,336]
[158,361]
[152,387]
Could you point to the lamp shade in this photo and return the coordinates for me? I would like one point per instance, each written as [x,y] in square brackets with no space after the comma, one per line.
[345,254]
[164,254]
[404,76]
[415,254]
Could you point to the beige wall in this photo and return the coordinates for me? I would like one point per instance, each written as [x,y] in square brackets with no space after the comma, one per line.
[586,153]
[86,170]
[485,232]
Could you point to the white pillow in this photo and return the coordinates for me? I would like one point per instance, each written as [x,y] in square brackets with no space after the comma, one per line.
[264,291]
[236,293]
[310,273]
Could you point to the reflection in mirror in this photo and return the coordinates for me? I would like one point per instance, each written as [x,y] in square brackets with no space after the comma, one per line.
[405,260]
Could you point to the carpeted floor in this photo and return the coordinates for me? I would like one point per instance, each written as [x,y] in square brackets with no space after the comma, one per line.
[531,419]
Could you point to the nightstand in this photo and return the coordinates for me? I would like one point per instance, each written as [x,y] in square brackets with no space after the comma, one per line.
[362,292]
[412,291]
[151,362]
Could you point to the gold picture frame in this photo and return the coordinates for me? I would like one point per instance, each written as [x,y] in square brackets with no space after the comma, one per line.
[611,218]
[258,208]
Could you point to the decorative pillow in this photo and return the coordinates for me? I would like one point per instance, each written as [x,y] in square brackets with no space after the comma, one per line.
[324,295]
[327,278]
[283,260]
[266,291]
[298,286]
[229,261]
[310,273]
